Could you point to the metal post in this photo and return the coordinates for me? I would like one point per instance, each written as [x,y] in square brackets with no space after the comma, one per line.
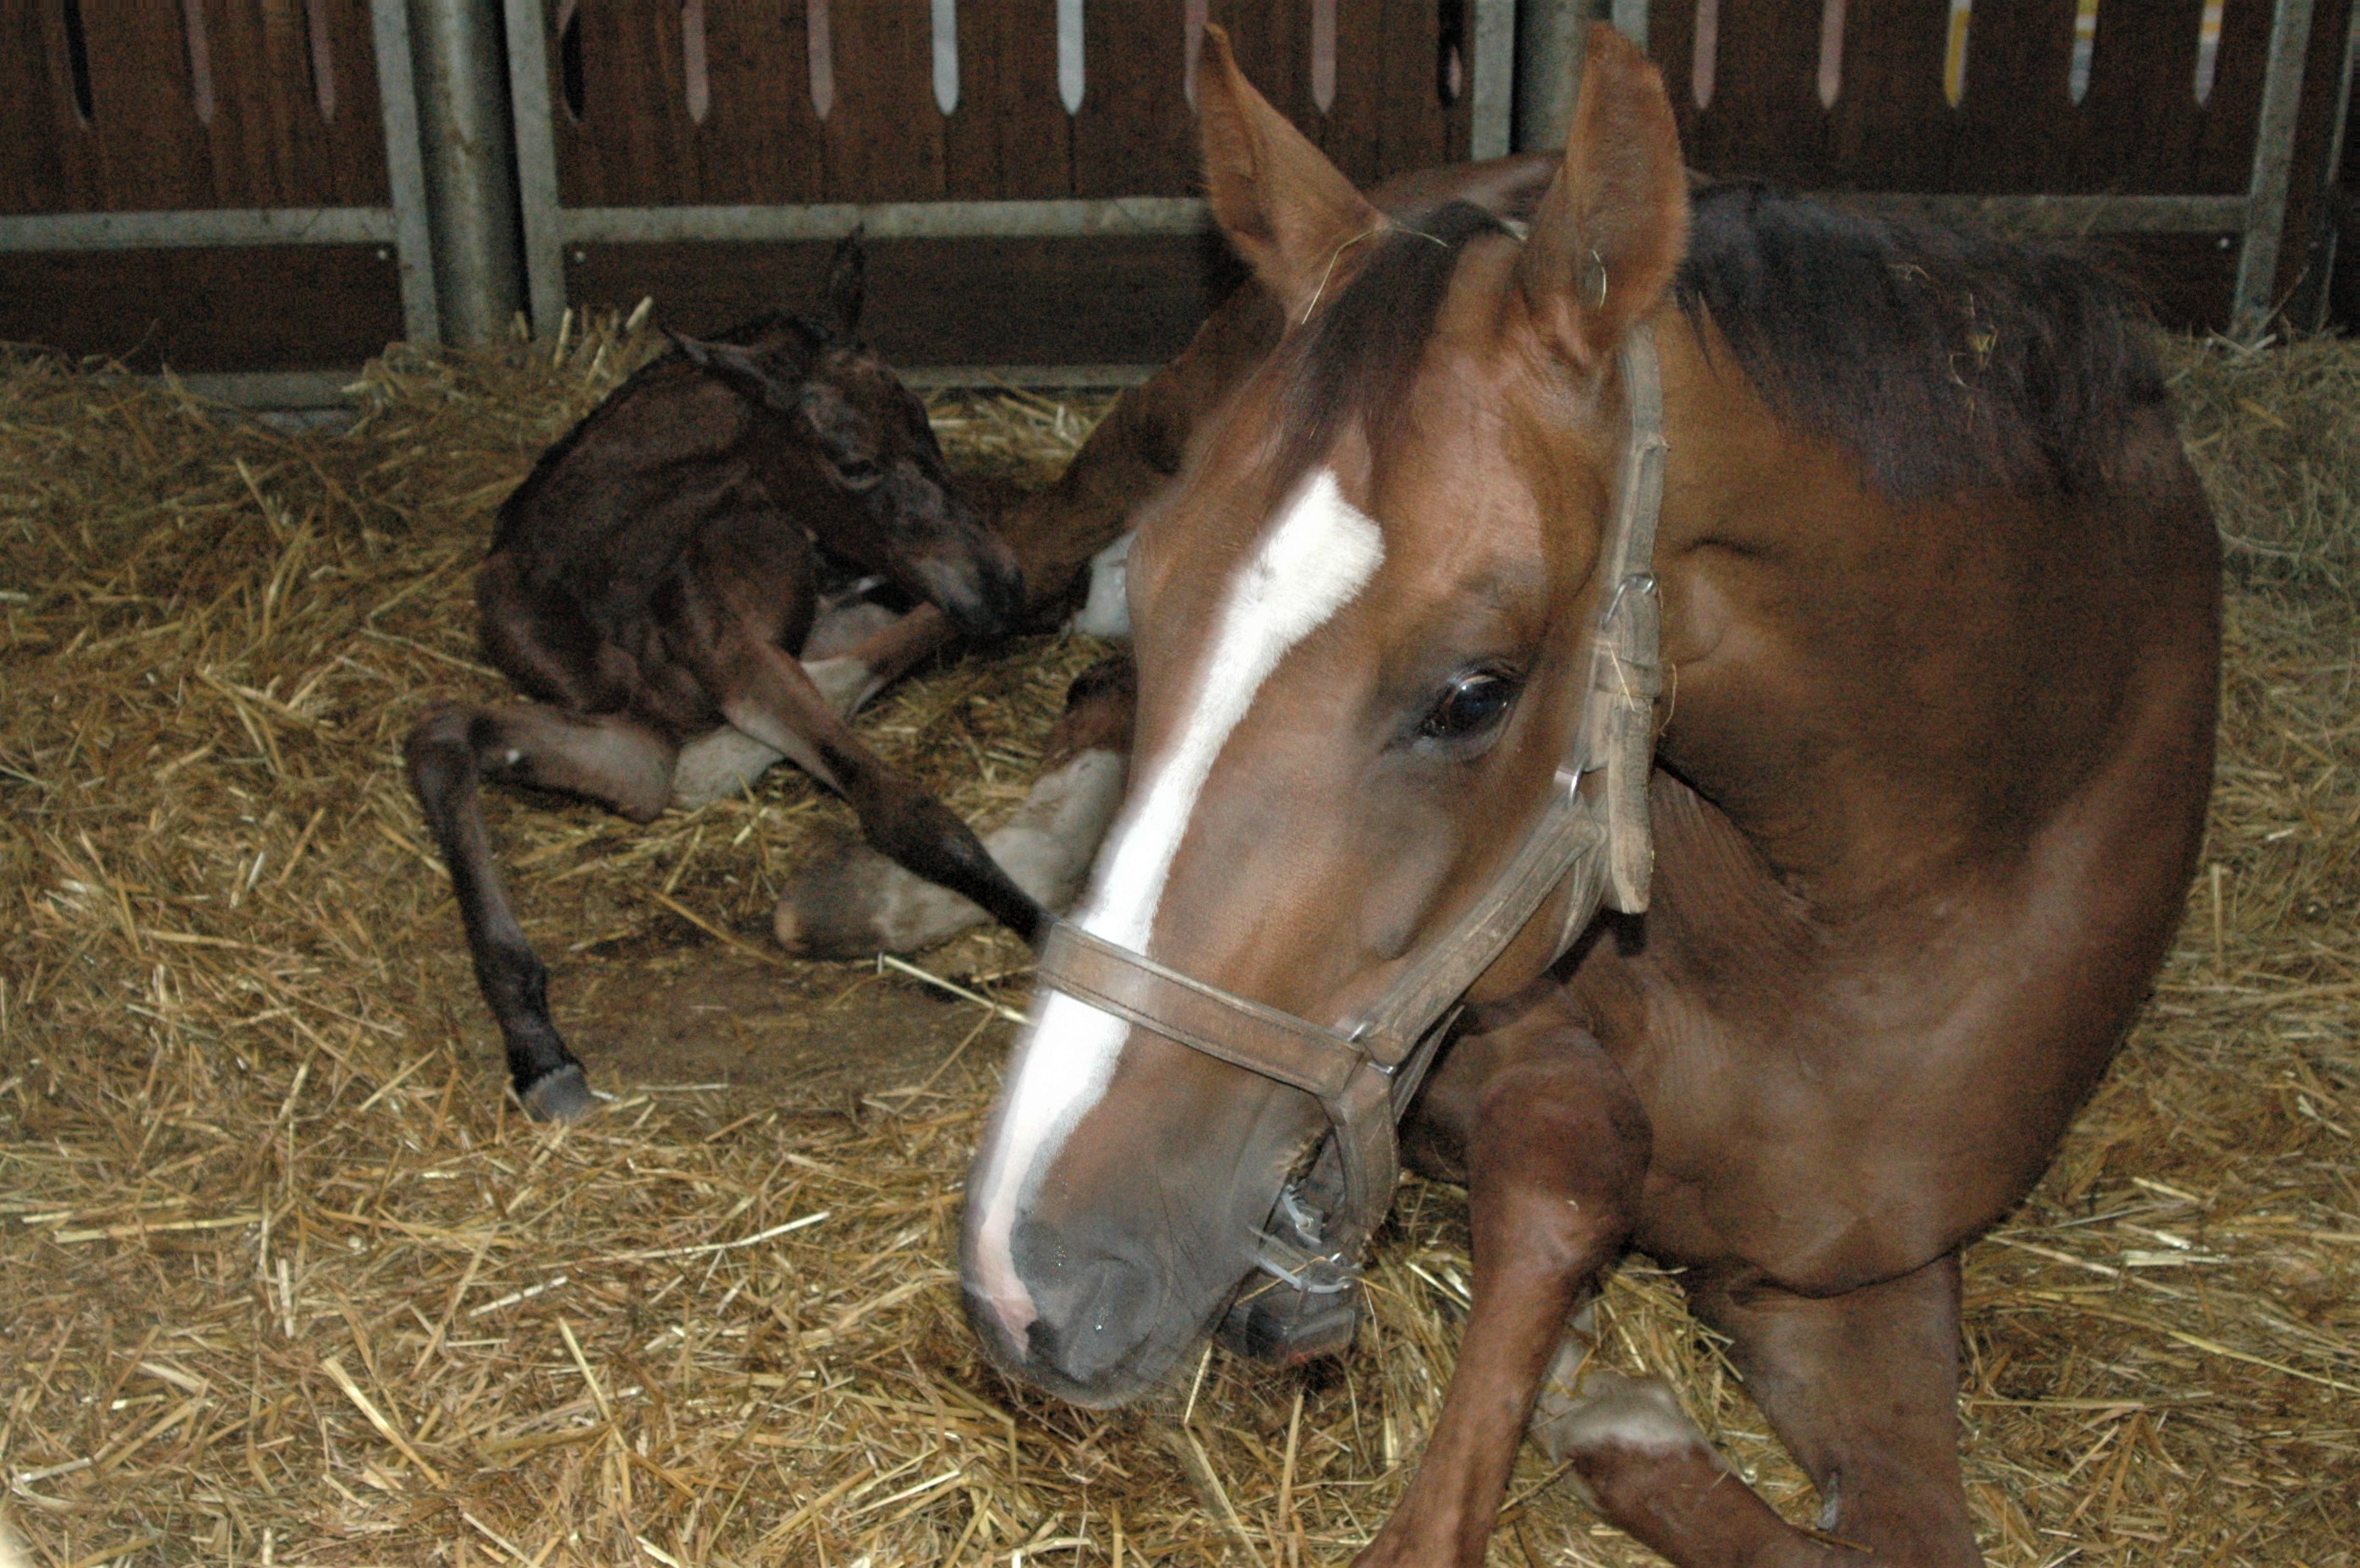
[536,165]
[1494,78]
[469,155]
[2257,262]
[2332,238]
[413,240]
[1551,36]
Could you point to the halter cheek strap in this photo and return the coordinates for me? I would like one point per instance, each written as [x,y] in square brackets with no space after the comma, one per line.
[1591,840]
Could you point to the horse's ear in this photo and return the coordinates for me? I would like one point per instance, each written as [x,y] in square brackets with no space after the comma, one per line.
[747,375]
[1288,210]
[1611,229]
[847,283]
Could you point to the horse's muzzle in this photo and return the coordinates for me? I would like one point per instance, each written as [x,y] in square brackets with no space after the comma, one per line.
[983,595]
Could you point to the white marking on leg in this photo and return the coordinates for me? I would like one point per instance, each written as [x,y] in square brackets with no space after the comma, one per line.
[844,681]
[1107,612]
[715,766]
[1320,553]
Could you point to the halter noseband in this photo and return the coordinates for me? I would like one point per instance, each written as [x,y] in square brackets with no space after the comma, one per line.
[1592,838]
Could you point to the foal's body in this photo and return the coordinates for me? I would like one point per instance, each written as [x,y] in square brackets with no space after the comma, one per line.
[1940,601]
[651,583]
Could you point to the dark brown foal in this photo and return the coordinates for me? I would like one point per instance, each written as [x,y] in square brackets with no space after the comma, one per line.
[650,586]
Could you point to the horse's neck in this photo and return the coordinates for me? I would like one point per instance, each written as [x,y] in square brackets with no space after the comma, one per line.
[1792,602]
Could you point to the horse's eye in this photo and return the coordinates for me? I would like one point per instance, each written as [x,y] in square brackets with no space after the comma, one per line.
[1473,704]
[858,472]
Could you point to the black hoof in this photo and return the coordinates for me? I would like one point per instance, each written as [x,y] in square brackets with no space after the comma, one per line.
[1283,1326]
[561,1096]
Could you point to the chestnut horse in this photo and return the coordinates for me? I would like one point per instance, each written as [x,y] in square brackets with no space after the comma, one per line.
[651,583]
[1939,603]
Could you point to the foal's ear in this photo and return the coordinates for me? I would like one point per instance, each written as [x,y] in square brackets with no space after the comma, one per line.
[1613,225]
[847,283]
[747,375]
[1289,212]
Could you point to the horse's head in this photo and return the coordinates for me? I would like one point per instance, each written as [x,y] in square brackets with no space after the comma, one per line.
[1362,620]
[847,448]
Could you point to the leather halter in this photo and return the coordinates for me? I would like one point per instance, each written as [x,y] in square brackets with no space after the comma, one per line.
[1591,840]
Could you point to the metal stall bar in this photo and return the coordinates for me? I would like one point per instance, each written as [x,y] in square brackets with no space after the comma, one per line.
[885,221]
[2049,215]
[536,166]
[1493,89]
[413,240]
[2258,261]
[212,226]
[468,154]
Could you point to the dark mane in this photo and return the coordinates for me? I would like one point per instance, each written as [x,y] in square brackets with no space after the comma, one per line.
[1355,364]
[1940,359]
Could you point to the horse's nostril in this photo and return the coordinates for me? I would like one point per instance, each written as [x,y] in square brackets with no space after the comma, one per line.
[1090,1329]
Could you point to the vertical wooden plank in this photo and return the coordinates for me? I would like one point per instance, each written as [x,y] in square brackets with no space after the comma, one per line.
[147,151]
[2220,151]
[760,141]
[1765,120]
[1413,124]
[2016,125]
[2138,118]
[1891,129]
[1010,137]
[633,144]
[261,78]
[1273,42]
[884,137]
[37,125]
[1351,132]
[1135,134]
[353,142]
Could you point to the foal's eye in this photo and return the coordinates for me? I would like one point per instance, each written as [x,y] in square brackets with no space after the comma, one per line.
[858,472]
[1472,706]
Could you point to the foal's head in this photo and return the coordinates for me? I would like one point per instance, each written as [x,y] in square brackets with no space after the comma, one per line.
[847,449]
[1361,620]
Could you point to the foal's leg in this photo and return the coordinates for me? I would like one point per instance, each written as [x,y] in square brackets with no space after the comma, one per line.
[846,671]
[766,693]
[1556,1149]
[608,758]
[855,900]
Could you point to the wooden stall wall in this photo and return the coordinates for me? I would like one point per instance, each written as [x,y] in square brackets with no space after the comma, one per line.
[1863,106]
[136,106]
[655,104]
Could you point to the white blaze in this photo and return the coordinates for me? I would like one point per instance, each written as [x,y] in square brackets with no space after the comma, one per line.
[1320,552]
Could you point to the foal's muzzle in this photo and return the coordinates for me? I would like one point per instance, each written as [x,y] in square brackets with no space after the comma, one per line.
[980,587]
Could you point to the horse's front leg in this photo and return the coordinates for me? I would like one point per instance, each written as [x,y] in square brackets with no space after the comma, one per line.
[1555,1145]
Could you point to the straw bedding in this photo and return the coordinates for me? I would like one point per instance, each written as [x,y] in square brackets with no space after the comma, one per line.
[285,1282]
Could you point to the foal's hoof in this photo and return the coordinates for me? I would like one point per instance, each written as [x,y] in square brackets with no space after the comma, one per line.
[561,1096]
[851,901]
